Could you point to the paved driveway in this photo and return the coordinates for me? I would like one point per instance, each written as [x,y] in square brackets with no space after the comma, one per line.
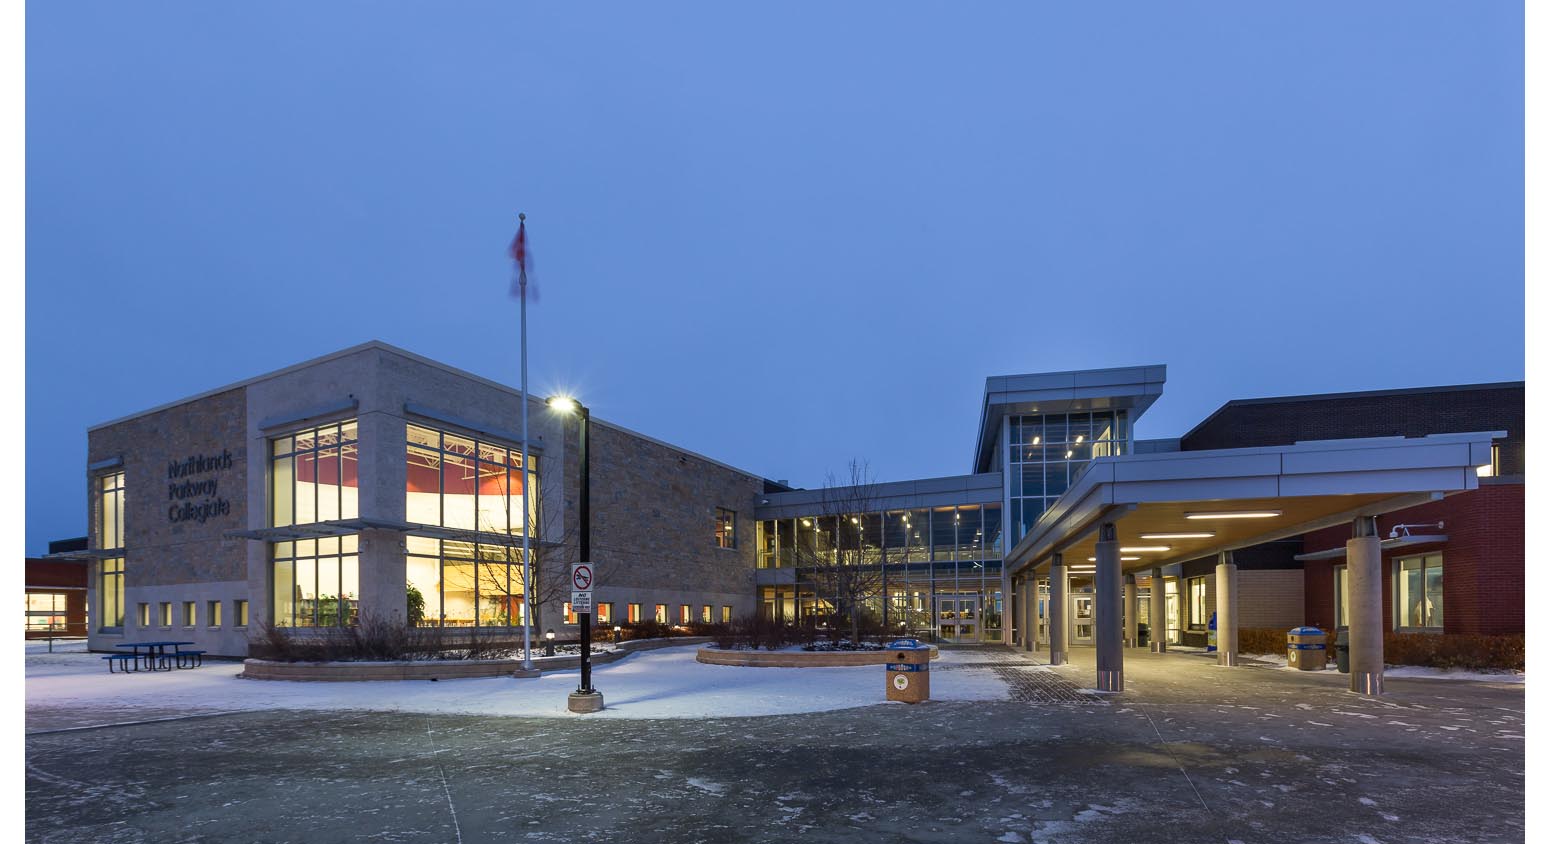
[1189,752]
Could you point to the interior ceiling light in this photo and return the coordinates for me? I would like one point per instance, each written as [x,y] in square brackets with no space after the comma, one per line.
[1035,440]
[1139,549]
[1235,514]
[1204,534]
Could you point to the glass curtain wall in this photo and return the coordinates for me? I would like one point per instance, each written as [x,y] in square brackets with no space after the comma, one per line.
[463,584]
[937,570]
[313,477]
[1049,452]
[464,482]
[317,582]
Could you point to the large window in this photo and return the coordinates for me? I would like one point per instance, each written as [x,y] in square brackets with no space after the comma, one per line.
[316,582]
[313,475]
[1342,597]
[1197,602]
[46,611]
[1418,592]
[462,482]
[461,584]
[110,511]
[726,528]
[110,537]
[111,593]
[1048,453]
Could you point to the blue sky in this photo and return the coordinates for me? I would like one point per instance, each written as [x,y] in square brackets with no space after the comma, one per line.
[781,235]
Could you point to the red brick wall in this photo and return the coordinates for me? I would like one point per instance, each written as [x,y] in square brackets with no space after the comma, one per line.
[1483,561]
[53,573]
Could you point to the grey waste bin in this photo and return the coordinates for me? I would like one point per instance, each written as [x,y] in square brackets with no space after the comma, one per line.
[1343,649]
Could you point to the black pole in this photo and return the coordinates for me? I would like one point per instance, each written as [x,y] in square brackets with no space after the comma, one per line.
[586,549]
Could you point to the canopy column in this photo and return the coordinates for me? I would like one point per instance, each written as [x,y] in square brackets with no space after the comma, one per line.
[1057,609]
[1159,613]
[1364,572]
[1107,605]
[1132,612]
[1226,609]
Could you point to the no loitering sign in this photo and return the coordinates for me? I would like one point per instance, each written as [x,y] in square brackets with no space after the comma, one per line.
[581,579]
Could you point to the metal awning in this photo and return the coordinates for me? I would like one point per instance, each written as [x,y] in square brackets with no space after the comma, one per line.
[83,556]
[1178,506]
[1338,553]
[345,527]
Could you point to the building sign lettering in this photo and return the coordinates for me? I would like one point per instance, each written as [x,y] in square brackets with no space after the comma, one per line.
[197,499]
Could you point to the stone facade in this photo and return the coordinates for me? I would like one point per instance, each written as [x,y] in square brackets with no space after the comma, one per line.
[185,471]
[198,471]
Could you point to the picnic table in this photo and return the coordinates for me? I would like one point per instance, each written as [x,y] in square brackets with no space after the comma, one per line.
[155,657]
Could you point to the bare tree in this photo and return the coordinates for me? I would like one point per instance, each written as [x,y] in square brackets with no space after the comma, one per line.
[840,549]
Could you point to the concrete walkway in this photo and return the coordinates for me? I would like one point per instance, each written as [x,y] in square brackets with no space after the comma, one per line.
[1189,752]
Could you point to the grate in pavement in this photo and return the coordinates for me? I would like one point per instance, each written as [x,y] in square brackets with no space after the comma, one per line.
[1031,683]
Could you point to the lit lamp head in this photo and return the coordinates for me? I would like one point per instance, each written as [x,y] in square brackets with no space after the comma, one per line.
[562,404]
[549,634]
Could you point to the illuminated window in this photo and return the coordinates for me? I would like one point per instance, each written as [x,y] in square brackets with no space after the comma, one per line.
[240,612]
[633,613]
[188,613]
[605,613]
[166,613]
[213,614]
[685,614]
[705,614]
[144,615]
[313,475]
[317,582]
[461,584]
[111,593]
[726,614]
[661,614]
[46,611]
[110,511]
[1342,597]
[726,528]
[570,615]
[1418,592]
[1197,603]
[463,482]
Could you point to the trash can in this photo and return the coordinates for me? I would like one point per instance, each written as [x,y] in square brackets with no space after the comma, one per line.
[909,671]
[1305,649]
[1143,635]
[1343,649]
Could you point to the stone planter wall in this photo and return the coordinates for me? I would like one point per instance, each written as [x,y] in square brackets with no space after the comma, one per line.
[796,659]
[440,669]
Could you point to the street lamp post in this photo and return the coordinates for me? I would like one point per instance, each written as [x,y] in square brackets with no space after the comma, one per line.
[585,698]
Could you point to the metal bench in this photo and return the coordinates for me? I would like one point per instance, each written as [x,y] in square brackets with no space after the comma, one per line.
[126,663]
[190,659]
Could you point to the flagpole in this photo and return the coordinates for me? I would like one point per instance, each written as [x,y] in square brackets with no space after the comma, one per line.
[527,590]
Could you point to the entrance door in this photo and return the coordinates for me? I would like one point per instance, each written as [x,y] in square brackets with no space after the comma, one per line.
[957,618]
[1081,619]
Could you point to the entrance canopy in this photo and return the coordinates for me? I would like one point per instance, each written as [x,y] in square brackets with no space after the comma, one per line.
[1178,506]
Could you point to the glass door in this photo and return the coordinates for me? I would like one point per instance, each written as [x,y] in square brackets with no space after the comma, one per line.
[1082,619]
[957,618]
[1171,607]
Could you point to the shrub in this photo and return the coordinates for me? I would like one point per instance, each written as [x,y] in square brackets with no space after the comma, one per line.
[1432,650]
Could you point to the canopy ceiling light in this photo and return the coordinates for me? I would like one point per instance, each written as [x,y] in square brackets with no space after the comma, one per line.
[1235,514]
[1205,534]
[1122,559]
[1140,549]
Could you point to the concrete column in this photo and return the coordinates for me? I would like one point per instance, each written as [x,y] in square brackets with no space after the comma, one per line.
[1226,610]
[1030,611]
[1132,611]
[1364,572]
[1159,612]
[1057,610]
[1107,603]
[1008,606]
[1013,620]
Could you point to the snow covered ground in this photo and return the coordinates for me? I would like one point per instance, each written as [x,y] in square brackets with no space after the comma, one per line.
[1408,671]
[666,683]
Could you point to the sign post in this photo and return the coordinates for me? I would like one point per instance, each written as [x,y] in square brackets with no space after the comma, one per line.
[581,579]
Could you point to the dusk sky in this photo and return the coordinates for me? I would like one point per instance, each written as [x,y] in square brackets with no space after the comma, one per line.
[781,236]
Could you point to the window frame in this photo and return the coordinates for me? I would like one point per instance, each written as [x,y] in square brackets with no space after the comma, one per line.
[726,528]
[1401,607]
[1189,590]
